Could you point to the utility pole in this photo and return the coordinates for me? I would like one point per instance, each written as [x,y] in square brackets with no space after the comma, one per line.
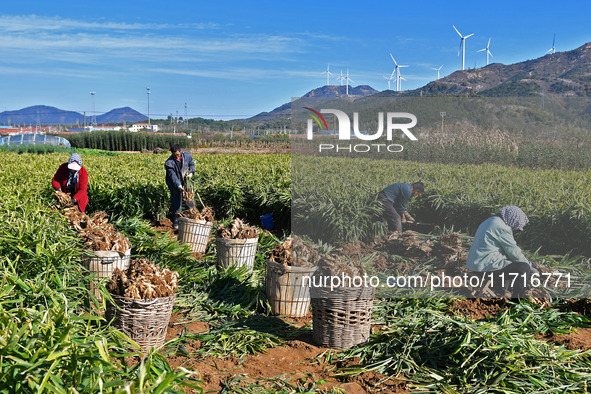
[149,123]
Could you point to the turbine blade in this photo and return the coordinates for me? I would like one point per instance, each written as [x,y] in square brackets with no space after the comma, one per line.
[483,49]
[488,43]
[456,31]
[393,59]
[469,35]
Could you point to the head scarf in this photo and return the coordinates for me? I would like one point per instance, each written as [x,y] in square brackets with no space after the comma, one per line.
[513,217]
[75,158]
[73,179]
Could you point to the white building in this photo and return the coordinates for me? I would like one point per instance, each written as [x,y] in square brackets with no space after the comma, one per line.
[143,127]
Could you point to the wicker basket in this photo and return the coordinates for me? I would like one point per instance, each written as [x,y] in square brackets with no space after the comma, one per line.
[237,252]
[195,233]
[144,321]
[103,263]
[285,289]
[341,319]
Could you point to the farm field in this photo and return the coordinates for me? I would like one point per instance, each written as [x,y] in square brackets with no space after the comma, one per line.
[52,336]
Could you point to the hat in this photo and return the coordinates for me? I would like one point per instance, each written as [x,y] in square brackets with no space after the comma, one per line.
[75,162]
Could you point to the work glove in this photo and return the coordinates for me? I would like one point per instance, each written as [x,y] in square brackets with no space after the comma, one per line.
[73,201]
[534,270]
[59,189]
[181,189]
[189,175]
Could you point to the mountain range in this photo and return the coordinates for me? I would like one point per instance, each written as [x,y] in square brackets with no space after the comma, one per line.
[45,115]
[561,74]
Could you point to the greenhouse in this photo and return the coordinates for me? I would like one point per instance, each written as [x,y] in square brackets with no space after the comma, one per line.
[34,139]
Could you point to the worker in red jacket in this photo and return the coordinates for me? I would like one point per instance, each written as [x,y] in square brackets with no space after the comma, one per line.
[72,178]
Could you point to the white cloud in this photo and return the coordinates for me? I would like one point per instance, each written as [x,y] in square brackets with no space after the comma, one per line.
[34,23]
[242,74]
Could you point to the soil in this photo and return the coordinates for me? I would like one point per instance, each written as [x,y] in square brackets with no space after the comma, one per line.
[298,361]
[479,308]
[577,340]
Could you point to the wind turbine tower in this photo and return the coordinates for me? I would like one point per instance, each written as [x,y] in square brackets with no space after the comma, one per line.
[347,81]
[437,69]
[462,46]
[553,49]
[328,74]
[341,78]
[93,111]
[487,51]
[389,79]
[400,78]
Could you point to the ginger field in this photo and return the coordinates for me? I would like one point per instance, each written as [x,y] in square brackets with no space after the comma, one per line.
[54,339]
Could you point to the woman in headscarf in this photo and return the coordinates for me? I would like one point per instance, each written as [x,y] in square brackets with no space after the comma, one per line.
[494,250]
[72,178]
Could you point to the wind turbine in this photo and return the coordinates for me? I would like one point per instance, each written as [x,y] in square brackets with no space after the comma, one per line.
[400,83]
[397,71]
[347,80]
[462,46]
[328,74]
[341,78]
[487,51]
[437,69]
[93,111]
[389,79]
[553,49]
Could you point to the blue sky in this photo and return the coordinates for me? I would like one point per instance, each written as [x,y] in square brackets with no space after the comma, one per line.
[230,59]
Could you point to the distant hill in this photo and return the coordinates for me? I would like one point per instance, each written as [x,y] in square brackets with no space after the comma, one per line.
[327,92]
[46,115]
[120,115]
[41,114]
[341,91]
[562,74]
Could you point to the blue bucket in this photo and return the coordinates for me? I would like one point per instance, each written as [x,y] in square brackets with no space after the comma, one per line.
[267,221]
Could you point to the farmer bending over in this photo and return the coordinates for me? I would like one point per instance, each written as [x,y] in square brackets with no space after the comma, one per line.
[394,199]
[494,250]
[179,166]
[71,178]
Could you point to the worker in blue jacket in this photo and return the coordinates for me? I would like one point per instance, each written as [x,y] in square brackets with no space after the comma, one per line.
[179,166]
[394,199]
[494,250]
